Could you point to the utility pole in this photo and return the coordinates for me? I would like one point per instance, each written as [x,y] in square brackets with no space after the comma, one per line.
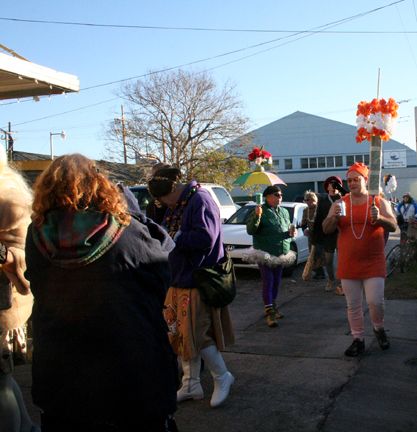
[9,141]
[415,122]
[124,132]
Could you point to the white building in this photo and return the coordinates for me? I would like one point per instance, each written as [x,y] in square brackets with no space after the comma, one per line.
[307,149]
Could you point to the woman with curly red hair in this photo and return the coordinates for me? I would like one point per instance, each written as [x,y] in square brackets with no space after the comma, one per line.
[102,359]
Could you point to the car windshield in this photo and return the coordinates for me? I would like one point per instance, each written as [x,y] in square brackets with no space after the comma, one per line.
[143,197]
[242,215]
[222,196]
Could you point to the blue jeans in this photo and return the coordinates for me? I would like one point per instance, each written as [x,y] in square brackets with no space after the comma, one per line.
[271,278]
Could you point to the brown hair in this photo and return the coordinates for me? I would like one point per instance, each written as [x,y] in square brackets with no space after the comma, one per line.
[161,165]
[73,182]
[164,182]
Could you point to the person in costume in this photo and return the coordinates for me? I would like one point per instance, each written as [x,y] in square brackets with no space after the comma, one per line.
[102,359]
[407,207]
[16,298]
[269,224]
[327,242]
[307,225]
[156,210]
[361,266]
[196,330]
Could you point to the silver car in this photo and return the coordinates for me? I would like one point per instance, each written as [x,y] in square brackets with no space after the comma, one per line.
[238,241]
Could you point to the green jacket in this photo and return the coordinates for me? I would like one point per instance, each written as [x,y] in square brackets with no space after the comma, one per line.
[267,233]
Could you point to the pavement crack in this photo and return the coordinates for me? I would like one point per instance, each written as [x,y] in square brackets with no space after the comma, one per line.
[333,395]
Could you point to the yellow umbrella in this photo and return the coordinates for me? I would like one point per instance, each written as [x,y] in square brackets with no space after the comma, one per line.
[258,178]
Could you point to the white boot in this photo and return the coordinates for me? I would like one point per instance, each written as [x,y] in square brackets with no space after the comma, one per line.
[191,387]
[222,378]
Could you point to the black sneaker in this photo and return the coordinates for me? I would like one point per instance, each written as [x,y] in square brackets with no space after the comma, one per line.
[382,338]
[357,347]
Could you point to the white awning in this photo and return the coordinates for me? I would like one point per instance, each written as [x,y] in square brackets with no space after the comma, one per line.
[20,78]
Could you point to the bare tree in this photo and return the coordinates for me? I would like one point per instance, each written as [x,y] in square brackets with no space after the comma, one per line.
[180,117]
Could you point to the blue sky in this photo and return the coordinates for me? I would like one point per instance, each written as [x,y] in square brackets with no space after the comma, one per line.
[325,74]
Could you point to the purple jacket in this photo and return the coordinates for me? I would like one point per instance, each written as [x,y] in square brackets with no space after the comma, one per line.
[201,240]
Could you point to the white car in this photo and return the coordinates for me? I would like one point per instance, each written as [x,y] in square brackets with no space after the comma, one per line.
[237,241]
[219,194]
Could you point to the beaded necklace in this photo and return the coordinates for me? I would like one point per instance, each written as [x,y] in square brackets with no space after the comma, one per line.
[173,221]
[337,196]
[155,207]
[314,216]
[351,218]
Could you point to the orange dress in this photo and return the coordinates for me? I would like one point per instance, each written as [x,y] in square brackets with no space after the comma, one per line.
[364,257]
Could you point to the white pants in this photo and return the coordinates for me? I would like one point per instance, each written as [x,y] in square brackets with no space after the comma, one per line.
[374,292]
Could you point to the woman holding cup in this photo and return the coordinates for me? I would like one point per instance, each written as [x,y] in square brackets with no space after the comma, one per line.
[270,226]
[361,255]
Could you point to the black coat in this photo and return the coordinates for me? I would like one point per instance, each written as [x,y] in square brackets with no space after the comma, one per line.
[101,350]
[329,241]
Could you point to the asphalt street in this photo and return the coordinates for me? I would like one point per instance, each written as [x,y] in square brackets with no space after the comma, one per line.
[295,377]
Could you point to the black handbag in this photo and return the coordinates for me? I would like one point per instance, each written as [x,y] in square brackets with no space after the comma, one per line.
[216,284]
[400,219]
[6,294]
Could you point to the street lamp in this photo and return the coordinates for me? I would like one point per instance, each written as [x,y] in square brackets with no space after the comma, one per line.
[63,136]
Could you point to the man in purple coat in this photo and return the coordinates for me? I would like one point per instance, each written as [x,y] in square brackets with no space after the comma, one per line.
[195,329]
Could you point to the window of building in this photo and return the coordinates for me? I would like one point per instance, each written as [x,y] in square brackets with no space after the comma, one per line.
[304,163]
[288,164]
[276,163]
[330,161]
[351,159]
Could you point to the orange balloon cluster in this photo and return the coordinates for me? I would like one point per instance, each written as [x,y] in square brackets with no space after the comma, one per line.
[367,108]
[363,134]
[374,107]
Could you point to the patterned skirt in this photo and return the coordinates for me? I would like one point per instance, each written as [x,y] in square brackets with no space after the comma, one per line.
[193,325]
[13,345]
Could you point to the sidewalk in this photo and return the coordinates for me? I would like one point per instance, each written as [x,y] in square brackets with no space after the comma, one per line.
[295,377]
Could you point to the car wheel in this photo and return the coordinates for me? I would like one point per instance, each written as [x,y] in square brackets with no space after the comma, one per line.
[288,271]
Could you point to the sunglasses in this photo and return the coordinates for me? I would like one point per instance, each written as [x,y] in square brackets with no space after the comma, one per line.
[278,195]
[354,179]
[307,199]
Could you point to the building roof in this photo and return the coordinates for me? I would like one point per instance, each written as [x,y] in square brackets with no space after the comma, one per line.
[20,78]
[32,164]
[127,174]
[302,134]
[24,156]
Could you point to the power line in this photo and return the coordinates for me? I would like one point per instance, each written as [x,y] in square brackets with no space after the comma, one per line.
[408,42]
[304,33]
[142,27]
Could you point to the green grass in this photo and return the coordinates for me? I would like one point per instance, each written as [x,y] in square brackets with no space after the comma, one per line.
[402,285]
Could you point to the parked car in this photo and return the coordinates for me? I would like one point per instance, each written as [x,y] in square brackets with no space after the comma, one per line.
[300,198]
[219,194]
[237,241]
